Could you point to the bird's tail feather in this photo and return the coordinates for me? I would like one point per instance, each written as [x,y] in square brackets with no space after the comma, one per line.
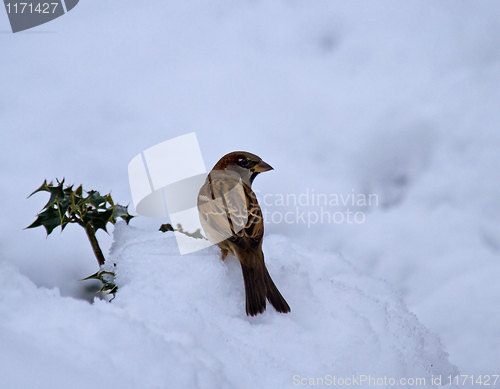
[274,296]
[258,287]
[255,290]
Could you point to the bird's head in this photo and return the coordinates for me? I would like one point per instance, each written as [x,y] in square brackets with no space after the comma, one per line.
[246,165]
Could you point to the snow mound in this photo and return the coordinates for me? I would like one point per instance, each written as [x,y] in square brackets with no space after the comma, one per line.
[342,323]
[179,321]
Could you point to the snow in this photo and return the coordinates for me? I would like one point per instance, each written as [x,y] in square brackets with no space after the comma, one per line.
[397,99]
[181,319]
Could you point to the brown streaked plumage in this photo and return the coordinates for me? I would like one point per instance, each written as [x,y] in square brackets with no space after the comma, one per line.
[231,218]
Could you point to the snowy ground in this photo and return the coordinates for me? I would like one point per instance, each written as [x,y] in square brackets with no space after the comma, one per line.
[396,99]
[179,321]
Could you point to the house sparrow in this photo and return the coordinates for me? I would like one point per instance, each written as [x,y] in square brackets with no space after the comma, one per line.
[232,219]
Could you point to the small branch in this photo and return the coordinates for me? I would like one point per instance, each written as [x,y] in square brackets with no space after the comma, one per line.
[95,245]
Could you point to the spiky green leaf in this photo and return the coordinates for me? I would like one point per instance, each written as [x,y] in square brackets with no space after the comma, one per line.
[49,219]
[43,187]
[96,199]
[121,211]
[98,219]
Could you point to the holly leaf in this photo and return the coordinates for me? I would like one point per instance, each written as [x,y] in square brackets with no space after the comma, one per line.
[56,192]
[44,187]
[107,279]
[78,192]
[109,200]
[122,212]
[49,218]
[96,199]
[98,219]
[62,206]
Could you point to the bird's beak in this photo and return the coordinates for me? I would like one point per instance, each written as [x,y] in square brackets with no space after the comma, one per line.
[262,167]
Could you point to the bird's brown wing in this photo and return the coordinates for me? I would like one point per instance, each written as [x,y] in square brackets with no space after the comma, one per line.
[253,231]
[222,206]
[229,210]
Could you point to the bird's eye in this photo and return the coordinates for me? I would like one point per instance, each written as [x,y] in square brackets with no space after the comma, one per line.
[243,162]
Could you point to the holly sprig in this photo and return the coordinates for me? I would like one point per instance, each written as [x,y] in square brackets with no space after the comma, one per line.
[88,209]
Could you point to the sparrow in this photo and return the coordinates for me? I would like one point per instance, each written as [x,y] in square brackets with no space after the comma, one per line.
[231,218]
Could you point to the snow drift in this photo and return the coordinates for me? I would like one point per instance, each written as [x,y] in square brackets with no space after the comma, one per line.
[179,321]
